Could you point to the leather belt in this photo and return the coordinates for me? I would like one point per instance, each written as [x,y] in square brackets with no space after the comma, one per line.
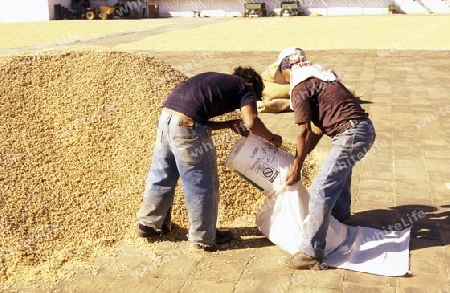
[185,121]
[347,124]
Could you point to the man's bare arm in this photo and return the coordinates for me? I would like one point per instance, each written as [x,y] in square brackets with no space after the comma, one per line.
[256,126]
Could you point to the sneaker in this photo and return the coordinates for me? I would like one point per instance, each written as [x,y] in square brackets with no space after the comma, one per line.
[145,231]
[300,261]
[223,236]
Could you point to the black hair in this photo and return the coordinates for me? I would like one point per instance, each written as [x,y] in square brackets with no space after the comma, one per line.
[253,77]
[285,64]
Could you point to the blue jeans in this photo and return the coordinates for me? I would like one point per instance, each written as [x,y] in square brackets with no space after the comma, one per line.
[186,153]
[330,191]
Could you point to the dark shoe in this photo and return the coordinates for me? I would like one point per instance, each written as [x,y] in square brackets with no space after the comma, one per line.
[300,261]
[347,221]
[223,236]
[145,231]
[205,248]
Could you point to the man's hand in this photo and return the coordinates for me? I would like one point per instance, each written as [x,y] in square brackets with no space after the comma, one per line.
[276,140]
[238,127]
[295,174]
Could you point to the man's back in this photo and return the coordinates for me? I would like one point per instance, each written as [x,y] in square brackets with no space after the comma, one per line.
[210,94]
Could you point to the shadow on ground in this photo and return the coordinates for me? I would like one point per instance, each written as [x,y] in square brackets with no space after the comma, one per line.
[244,237]
[430,226]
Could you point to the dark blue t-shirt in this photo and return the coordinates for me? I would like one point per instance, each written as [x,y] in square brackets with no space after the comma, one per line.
[210,94]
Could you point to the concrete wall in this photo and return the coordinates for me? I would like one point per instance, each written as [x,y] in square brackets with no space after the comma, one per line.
[345,7]
[212,8]
[23,11]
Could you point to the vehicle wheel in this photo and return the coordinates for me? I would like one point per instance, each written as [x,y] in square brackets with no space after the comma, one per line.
[90,15]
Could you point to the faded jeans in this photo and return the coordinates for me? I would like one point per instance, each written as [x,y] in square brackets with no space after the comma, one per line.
[188,154]
[330,191]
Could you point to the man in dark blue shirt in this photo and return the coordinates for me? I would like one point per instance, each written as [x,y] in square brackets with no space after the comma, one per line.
[184,150]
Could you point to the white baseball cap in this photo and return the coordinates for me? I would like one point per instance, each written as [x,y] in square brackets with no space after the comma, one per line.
[286,52]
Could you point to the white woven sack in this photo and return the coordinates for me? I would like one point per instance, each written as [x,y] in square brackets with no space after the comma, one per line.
[284,216]
[260,162]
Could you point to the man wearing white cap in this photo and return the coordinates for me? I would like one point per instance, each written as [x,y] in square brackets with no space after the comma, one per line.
[319,97]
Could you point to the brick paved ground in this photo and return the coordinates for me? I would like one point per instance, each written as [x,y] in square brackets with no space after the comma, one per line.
[407,96]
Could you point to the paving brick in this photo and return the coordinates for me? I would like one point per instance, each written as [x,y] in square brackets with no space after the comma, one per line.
[263,281]
[326,279]
[205,286]
[374,198]
[423,285]
[226,270]
[173,269]
[412,188]
[405,172]
[360,282]
[429,266]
